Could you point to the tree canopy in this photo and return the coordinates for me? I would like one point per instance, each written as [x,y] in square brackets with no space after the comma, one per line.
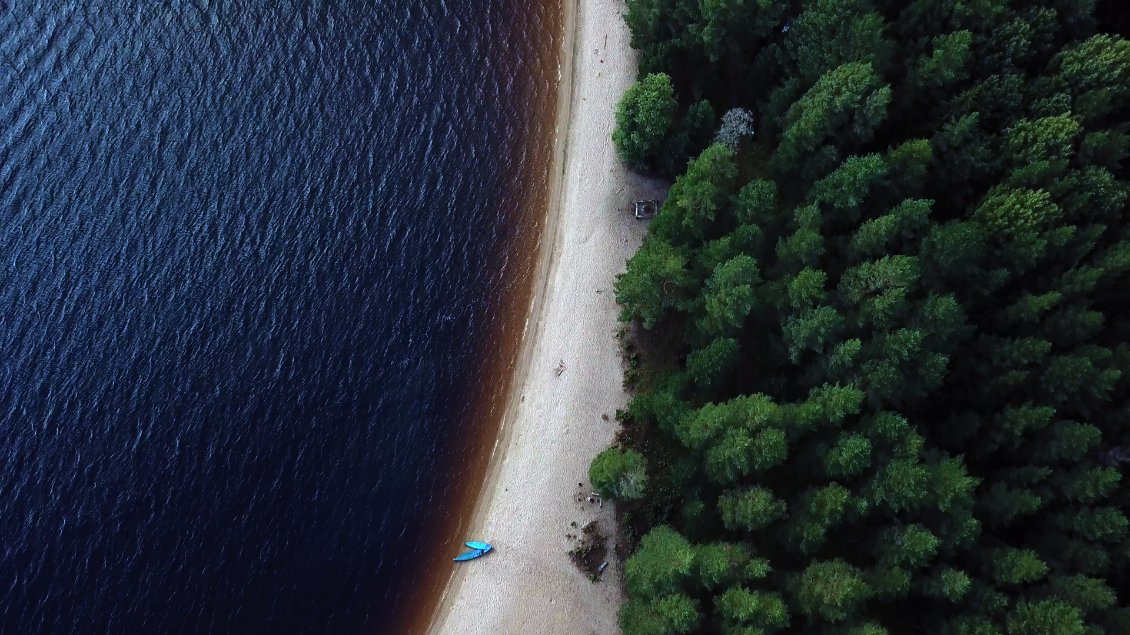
[886,384]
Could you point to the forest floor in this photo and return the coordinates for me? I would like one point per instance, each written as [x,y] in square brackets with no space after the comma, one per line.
[569,377]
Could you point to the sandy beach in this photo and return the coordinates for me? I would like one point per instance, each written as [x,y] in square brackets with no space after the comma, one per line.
[554,423]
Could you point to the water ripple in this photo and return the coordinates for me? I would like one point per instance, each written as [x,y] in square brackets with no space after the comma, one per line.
[246,254]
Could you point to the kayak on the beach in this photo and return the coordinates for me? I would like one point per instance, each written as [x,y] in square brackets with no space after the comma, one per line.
[478,549]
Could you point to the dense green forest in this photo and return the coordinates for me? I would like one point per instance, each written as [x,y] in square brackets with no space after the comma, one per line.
[881,320]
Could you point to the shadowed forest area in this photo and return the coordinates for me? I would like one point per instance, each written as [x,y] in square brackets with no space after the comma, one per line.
[881,337]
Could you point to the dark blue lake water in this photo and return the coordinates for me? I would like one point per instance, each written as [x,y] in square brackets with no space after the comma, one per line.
[250,252]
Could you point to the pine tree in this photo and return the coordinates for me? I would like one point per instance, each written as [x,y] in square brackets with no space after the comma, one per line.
[643,118]
[845,105]
[619,474]
[830,590]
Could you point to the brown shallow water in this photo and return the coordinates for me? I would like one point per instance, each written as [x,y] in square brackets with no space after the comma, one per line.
[536,103]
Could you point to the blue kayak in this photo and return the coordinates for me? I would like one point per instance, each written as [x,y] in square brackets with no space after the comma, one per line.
[478,549]
[470,555]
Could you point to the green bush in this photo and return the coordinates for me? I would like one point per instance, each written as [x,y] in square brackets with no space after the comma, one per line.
[644,116]
[619,474]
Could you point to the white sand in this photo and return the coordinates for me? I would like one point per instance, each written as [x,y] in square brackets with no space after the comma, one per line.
[552,425]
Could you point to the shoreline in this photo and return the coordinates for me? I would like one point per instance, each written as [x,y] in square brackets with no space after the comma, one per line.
[501,352]
[538,285]
[551,425]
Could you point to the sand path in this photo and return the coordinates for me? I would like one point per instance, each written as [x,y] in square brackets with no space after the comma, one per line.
[553,424]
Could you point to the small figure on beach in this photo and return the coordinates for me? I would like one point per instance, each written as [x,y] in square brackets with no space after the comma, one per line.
[560,368]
